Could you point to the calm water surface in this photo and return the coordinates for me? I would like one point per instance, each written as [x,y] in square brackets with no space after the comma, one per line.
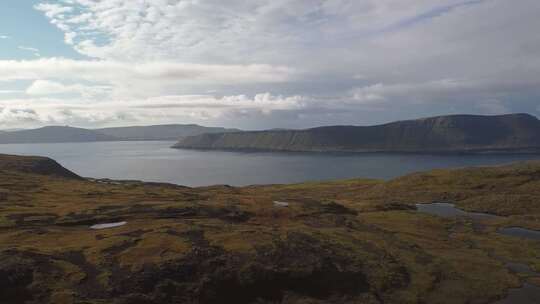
[521,232]
[156,161]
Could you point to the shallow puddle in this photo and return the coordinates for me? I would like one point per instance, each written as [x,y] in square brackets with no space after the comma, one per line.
[528,294]
[521,268]
[107,225]
[451,211]
[521,232]
[281,204]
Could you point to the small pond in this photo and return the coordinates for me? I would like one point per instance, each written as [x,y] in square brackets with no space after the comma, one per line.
[451,211]
[107,225]
[521,268]
[528,294]
[281,204]
[521,232]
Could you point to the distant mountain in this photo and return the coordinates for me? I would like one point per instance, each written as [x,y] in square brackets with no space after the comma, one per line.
[161,132]
[53,134]
[59,134]
[454,133]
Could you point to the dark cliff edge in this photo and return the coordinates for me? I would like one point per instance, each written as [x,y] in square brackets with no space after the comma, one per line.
[442,134]
[35,165]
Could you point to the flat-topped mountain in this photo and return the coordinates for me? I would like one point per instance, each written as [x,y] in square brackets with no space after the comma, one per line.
[53,134]
[453,133]
[161,132]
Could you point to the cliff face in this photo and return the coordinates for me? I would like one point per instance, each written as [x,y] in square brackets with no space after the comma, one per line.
[455,133]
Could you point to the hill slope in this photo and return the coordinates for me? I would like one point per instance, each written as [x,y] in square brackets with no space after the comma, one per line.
[34,165]
[160,132]
[53,134]
[454,133]
[339,242]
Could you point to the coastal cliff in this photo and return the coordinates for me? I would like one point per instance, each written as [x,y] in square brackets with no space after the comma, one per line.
[454,133]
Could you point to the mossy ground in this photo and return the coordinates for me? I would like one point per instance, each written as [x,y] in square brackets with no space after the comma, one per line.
[353,241]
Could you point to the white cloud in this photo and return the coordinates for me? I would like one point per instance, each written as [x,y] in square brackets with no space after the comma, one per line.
[10,116]
[120,72]
[444,88]
[47,88]
[187,108]
[27,48]
[69,37]
[423,91]
[30,49]
[10,91]
[4,37]
[53,11]
[353,61]
[225,31]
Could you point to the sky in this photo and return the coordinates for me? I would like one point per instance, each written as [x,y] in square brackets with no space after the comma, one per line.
[265,63]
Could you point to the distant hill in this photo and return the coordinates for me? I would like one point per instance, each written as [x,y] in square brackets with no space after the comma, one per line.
[61,134]
[161,132]
[454,133]
[53,134]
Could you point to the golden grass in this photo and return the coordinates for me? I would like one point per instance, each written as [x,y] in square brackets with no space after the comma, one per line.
[408,257]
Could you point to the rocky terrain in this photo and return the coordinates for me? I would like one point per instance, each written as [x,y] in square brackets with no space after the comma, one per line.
[448,134]
[352,241]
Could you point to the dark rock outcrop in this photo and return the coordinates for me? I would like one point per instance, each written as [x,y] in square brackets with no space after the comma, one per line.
[34,165]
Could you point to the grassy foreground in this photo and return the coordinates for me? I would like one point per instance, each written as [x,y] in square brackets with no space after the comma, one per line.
[353,241]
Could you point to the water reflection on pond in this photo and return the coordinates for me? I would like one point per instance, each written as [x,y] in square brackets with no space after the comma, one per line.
[450,210]
[528,294]
[107,225]
[521,232]
[521,268]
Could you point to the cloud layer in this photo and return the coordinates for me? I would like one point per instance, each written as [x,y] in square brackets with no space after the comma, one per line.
[322,62]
